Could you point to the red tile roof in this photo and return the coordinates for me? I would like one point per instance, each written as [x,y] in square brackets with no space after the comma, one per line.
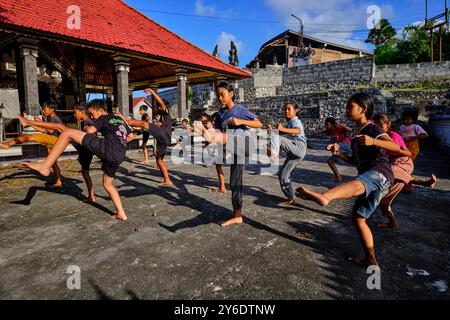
[137,100]
[112,23]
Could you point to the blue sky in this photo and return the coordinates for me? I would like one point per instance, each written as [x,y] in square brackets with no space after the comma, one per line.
[250,23]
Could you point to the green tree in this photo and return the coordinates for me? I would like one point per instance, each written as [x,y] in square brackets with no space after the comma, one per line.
[414,45]
[384,34]
[386,54]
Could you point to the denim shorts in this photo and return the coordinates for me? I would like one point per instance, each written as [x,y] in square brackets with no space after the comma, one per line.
[377,186]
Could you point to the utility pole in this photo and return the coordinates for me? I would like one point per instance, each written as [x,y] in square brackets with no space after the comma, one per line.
[300,40]
[430,26]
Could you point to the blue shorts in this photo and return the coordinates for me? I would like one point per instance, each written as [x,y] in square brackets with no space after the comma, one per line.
[377,186]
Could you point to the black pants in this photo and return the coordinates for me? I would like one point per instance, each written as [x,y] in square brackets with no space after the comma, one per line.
[163,138]
[237,172]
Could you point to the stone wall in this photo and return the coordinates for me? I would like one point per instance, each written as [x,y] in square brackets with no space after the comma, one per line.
[407,75]
[275,80]
[314,107]
[420,99]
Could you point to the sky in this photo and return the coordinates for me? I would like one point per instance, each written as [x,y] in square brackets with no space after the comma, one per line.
[250,23]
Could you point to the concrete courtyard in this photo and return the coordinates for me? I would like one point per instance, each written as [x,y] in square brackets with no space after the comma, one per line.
[172,247]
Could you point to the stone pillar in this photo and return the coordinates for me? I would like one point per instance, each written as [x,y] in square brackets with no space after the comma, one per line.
[27,76]
[121,90]
[182,105]
[80,93]
[130,101]
[110,100]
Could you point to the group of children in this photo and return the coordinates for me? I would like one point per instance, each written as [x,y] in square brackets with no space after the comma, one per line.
[383,158]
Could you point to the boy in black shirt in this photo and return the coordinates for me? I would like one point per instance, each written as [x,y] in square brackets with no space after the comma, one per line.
[161,131]
[111,149]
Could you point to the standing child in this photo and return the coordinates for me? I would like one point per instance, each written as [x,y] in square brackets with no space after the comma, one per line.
[339,134]
[145,134]
[375,174]
[402,168]
[208,123]
[233,122]
[111,149]
[412,133]
[293,143]
[161,130]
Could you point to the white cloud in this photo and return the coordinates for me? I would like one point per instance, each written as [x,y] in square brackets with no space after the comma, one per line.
[224,42]
[338,21]
[202,9]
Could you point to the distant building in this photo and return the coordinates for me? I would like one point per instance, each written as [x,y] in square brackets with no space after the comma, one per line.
[284,47]
[137,103]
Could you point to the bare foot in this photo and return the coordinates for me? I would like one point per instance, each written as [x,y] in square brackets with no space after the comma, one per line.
[287,202]
[363,262]
[388,226]
[23,121]
[432,181]
[121,217]
[235,220]
[57,185]
[309,195]
[39,167]
[4,146]
[145,162]
[166,184]
[218,190]
[90,199]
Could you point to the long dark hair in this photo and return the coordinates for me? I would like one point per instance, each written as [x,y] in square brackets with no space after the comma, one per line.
[226,86]
[364,101]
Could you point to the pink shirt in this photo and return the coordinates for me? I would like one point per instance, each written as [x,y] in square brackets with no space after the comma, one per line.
[398,140]
[411,131]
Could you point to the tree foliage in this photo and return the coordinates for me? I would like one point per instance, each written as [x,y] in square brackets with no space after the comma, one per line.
[411,46]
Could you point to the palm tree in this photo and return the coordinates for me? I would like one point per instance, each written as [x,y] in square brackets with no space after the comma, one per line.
[385,33]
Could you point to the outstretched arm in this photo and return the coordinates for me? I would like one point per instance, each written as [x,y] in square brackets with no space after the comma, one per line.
[157,98]
[41,125]
[405,152]
[346,128]
[132,122]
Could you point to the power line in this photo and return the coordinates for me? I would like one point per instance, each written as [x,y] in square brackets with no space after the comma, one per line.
[255,20]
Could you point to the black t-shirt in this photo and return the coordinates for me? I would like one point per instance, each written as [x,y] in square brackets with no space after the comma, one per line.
[115,131]
[371,158]
[166,120]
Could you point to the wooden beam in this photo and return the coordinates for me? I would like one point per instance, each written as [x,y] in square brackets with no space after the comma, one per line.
[7,41]
[173,79]
[58,65]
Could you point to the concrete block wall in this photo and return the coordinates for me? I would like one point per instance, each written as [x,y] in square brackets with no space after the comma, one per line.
[399,75]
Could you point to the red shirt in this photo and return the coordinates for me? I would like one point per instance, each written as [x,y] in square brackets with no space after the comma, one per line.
[340,133]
